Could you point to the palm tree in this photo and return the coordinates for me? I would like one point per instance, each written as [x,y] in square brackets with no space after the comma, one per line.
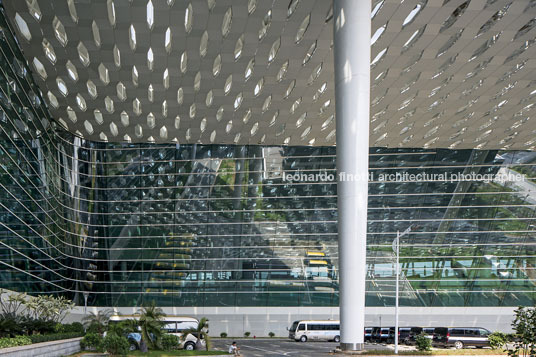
[124,327]
[201,333]
[98,320]
[151,323]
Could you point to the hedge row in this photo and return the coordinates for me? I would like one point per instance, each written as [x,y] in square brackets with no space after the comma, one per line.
[6,342]
[55,336]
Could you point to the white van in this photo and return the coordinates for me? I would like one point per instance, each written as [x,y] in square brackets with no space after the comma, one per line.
[174,325]
[315,330]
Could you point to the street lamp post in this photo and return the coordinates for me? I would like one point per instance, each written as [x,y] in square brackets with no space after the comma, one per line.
[86,295]
[396,249]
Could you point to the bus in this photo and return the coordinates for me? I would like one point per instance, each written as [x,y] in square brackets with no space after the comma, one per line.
[174,325]
[315,330]
[311,253]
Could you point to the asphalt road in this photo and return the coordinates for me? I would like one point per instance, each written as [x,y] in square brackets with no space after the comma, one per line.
[284,347]
[280,347]
[276,347]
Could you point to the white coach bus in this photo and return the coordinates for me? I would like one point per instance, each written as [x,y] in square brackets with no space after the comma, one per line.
[174,325]
[315,330]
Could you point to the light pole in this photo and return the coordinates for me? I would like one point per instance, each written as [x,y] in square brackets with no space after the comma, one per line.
[86,295]
[396,249]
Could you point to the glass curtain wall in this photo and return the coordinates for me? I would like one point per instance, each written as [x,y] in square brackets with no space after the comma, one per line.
[220,225]
[32,253]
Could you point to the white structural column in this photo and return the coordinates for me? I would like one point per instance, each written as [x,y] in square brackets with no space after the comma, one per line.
[352,96]
[397,289]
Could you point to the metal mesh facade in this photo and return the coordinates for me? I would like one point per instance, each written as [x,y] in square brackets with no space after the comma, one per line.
[445,73]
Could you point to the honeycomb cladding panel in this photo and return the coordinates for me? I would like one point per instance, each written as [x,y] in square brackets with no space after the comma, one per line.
[445,74]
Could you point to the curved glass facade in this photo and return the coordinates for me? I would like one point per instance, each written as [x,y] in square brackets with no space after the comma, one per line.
[220,225]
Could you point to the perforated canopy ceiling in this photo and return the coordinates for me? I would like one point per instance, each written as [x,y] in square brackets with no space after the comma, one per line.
[445,73]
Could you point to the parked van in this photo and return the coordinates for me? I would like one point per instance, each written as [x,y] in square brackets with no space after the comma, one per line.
[387,335]
[416,331]
[461,337]
[370,332]
[375,335]
[405,334]
[315,330]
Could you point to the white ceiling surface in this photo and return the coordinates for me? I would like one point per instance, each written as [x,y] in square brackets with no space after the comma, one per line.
[456,73]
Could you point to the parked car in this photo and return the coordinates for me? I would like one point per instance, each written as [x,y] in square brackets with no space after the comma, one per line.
[369,332]
[375,334]
[428,333]
[387,335]
[460,337]
[405,333]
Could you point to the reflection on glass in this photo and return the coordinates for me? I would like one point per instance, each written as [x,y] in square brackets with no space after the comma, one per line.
[226,225]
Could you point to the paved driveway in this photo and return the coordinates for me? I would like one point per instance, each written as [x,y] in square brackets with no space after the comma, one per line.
[276,347]
[283,347]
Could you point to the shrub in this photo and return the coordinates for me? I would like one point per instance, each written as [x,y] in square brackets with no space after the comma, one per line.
[271,334]
[497,340]
[59,327]
[93,342]
[524,325]
[510,337]
[55,336]
[117,329]
[423,343]
[10,326]
[15,341]
[94,328]
[42,307]
[39,326]
[170,342]
[223,334]
[247,333]
[116,345]
[74,327]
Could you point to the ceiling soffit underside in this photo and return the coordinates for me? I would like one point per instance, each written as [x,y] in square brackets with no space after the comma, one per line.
[445,73]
